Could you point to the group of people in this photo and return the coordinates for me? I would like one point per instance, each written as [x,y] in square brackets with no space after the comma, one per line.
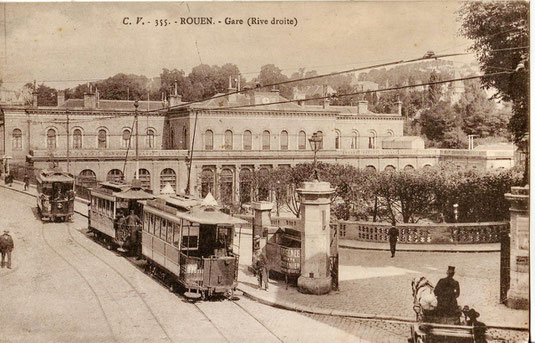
[6,247]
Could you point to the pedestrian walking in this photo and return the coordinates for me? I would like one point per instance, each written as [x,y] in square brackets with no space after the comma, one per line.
[6,247]
[393,234]
[26,182]
[447,291]
[262,272]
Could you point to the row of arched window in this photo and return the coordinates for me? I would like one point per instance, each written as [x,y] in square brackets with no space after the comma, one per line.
[88,178]
[247,140]
[77,137]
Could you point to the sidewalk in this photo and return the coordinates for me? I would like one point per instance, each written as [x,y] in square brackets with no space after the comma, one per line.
[475,248]
[373,286]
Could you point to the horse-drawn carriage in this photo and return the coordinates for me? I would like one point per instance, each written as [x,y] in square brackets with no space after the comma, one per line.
[435,326]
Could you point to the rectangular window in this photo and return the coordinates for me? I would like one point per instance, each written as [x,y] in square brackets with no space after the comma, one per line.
[170,230]
[151,225]
[146,222]
[163,230]
[157,226]
[190,236]
[176,235]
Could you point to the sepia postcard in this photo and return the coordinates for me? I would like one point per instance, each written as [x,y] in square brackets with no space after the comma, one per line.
[265,171]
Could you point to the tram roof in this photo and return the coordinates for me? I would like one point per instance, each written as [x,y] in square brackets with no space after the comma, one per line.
[182,201]
[54,176]
[210,215]
[133,193]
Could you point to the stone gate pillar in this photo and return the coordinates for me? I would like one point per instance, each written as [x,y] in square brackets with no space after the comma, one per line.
[261,221]
[518,295]
[315,237]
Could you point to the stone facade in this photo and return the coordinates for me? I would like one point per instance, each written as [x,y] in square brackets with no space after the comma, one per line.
[232,135]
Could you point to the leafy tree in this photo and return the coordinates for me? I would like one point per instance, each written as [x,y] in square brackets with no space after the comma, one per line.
[270,74]
[496,28]
[434,91]
[437,120]
[46,96]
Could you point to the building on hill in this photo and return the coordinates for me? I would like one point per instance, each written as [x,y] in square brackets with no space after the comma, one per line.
[230,137]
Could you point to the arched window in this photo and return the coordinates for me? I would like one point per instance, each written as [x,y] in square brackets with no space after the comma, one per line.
[125,138]
[150,138]
[302,140]
[144,178]
[427,167]
[408,168]
[337,140]
[16,139]
[226,183]
[87,178]
[102,139]
[372,140]
[51,139]
[246,182]
[247,140]
[355,140]
[390,168]
[168,176]
[390,133]
[284,140]
[266,140]
[320,135]
[114,175]
[207,182]
[77,139]
[209,140]
[229,140]
[371,168]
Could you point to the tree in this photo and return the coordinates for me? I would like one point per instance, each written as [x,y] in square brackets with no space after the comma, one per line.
[438,120]
[434,92]
[270,74]
[46,96]
[496,29]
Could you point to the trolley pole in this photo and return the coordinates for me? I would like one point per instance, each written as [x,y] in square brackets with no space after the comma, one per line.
[136,105]
[68,144]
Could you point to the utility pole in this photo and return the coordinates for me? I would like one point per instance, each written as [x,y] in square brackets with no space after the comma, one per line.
[68,144]
[136,105]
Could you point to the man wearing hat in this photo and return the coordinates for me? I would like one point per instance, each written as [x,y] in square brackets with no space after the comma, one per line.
[6,246]
[447,292]
[393,234]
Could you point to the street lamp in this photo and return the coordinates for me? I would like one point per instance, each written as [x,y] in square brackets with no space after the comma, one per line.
[315,144]
[456,211]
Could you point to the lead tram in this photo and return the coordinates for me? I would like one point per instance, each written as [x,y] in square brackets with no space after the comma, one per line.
[190,245]
[110,205]
[55,199]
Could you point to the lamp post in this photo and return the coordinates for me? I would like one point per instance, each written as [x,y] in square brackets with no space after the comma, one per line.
[315,143]
[456,211]
[136,105]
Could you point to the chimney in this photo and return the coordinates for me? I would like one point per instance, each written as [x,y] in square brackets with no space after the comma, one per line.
[232,98]
[90,99]
[61,98]
[175,99]
[34,94]
[326,101]
[362,107]
[398,107]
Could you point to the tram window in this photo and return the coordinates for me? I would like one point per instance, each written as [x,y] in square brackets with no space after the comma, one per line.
[146,217]
[157,226]
[151,225]
[190,235]
[170,229]
[163,230]
[176,235]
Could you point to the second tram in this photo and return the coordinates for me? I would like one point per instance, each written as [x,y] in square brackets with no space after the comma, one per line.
[55,199]
[114,214]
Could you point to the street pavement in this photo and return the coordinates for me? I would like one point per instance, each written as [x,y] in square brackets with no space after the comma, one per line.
[373,285]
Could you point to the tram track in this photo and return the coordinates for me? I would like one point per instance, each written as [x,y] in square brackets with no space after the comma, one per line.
[140,296]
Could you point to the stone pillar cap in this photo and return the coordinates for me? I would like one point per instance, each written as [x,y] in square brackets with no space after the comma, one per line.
[262,205]
[316,187]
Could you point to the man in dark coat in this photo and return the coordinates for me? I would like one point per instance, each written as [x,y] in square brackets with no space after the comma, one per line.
[262,272]
[393,234]
[26,182]
[447,292]
[6,246]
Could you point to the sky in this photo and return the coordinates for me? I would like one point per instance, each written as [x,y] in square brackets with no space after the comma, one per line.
[65,44]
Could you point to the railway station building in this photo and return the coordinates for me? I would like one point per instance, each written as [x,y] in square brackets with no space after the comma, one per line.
[232,137]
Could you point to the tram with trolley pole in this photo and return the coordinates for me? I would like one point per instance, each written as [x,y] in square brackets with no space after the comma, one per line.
[114,215]
[190,245]
[55,199]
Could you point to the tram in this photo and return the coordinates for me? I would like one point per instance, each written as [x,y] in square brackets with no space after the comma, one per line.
[114,213]
[190,244]
[55,199]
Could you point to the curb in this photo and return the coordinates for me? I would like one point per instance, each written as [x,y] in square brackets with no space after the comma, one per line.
[322,311]
[347,314]
[418,250]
